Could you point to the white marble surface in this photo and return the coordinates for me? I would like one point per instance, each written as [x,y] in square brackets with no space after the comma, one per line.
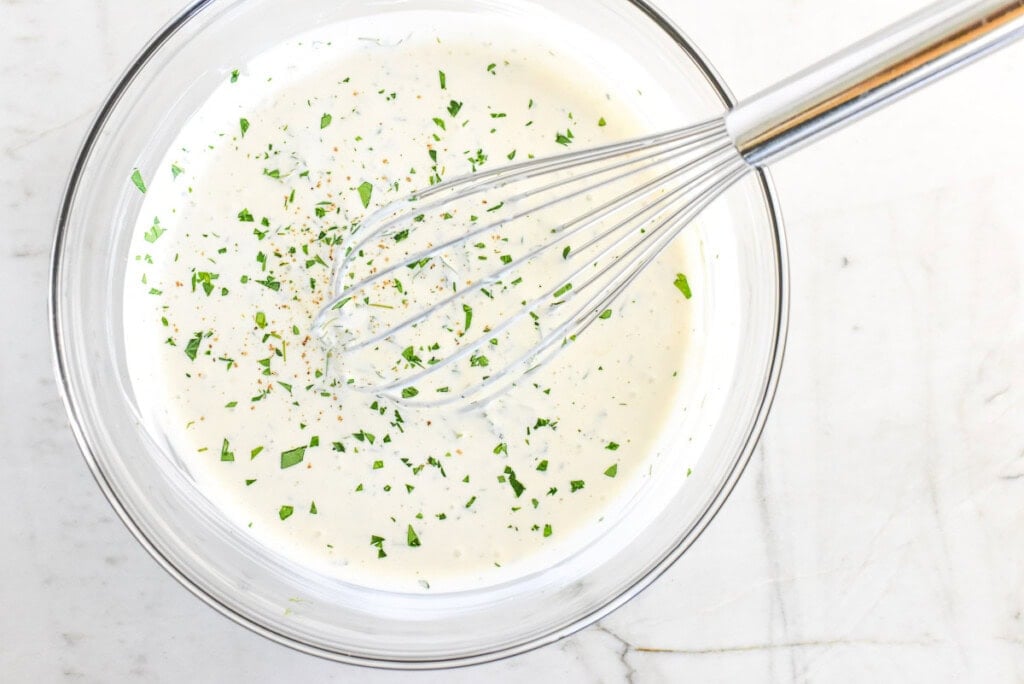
[878,534]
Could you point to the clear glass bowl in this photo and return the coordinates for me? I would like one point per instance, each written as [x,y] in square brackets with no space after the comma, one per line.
[743,319]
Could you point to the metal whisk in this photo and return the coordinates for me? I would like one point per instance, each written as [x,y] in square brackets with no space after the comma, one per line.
[460,290]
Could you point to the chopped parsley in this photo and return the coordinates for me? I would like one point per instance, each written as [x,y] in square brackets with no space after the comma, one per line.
[517,486]
[365,193]
[137,181]
[155,231]
[292,457]
[683,285]
[192,348]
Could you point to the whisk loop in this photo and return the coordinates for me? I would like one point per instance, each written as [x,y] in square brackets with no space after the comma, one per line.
[462,289]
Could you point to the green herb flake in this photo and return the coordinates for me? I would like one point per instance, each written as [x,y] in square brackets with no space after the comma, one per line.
[270,283]
[443,79]
[612,446]
[176,170]
[409,392]
[409,354]
[192,348]
[601,122]
[411,538]
[364,436]
[517,486]
[285,512]
[683,285]
[612,470]
[137,181]
[312,508]
[605,315]
[292,457]
[234,75]
[562,290]
[454,108]
[365,193]
[155,231]
[502,448]
[577,485]
[542,466]
[547,530]
[325,121]
[468,310]
[244,125]
[225,451]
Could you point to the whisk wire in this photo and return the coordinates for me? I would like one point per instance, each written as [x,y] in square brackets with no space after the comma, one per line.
[656,186]
[573,227]
[407,217]
[718,179]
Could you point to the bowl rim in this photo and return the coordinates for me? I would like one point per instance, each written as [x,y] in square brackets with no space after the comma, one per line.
[60,365]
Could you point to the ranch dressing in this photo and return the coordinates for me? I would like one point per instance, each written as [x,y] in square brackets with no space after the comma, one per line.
[232,259]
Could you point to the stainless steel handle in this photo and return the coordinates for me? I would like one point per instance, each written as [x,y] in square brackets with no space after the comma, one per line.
[870,74]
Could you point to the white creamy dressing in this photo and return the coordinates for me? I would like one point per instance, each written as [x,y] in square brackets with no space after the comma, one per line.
[232,259]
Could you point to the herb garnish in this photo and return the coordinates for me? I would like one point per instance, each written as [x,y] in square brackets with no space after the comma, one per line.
[683,285]
[365,193]
[292,457]
[137,180]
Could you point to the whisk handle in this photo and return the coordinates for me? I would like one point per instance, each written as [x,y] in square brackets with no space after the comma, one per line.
[864,77]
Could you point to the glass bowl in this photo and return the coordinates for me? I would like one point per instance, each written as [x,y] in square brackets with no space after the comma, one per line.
[734,367]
